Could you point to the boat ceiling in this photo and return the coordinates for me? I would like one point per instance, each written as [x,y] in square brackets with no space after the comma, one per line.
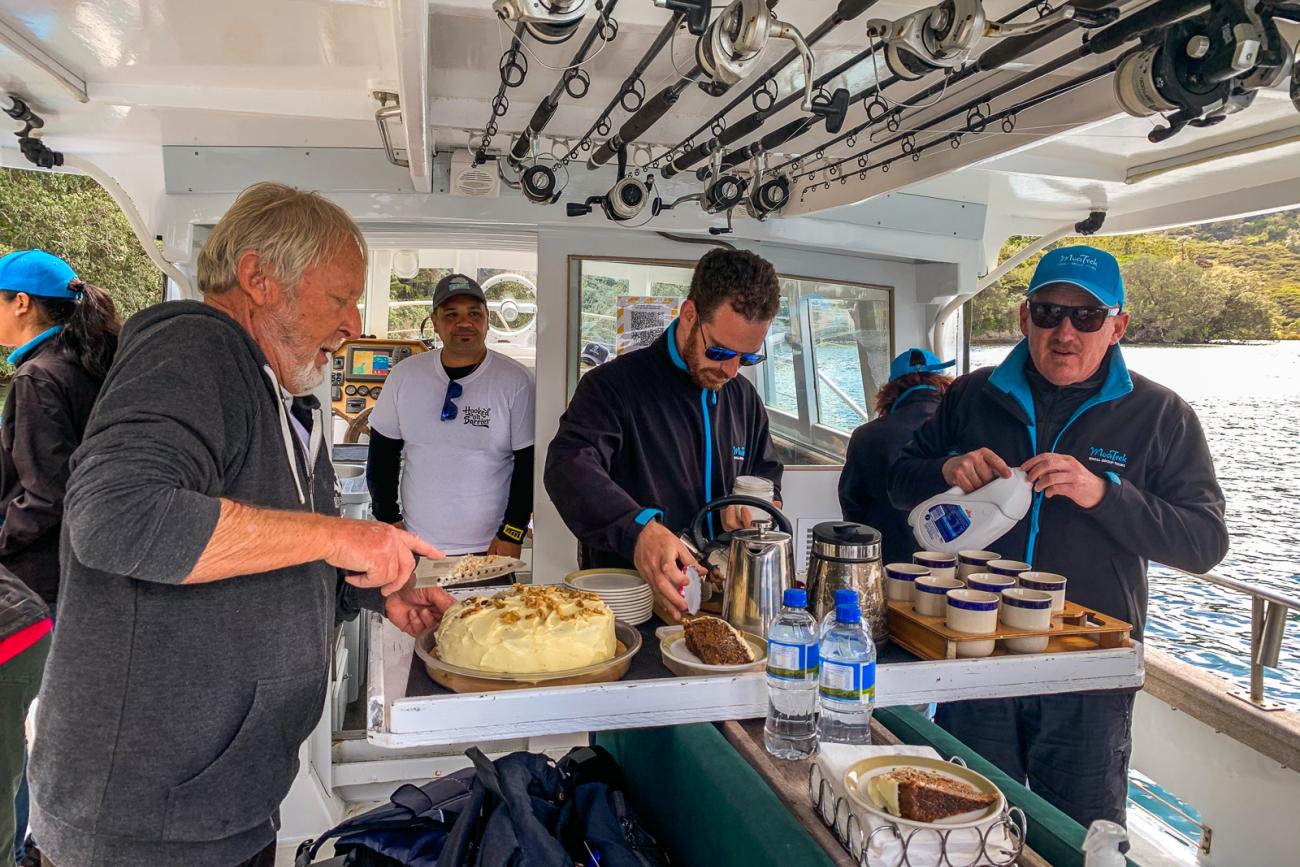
[302,73]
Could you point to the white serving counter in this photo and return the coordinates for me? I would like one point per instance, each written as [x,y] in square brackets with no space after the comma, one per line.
[395,719]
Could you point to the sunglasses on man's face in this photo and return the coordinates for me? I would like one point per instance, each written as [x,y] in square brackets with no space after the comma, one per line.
[722,353]
[1086,318]
[449,409]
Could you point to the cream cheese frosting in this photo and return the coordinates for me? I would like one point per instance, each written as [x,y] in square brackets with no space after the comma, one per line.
[527,629]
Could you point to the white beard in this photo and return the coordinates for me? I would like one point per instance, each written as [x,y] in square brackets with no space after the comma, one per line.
[303,377]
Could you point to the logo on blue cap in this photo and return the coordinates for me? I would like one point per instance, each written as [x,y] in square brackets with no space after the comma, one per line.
[38,273]
[1095,271]
[916,360]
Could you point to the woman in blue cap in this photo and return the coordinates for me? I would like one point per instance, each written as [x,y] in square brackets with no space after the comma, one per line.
[65,334]
[910,397]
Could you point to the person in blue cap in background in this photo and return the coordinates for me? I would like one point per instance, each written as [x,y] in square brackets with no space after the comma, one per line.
[916,385]
[65,334]
[1122,475]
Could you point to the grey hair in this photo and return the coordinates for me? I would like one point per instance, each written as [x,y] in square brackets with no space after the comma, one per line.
[291,229]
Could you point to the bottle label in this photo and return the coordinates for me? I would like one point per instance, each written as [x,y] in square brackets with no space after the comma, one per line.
[848,682]
[946,521]
[791,661]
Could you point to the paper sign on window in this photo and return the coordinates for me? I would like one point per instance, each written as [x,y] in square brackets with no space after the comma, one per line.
[640,319]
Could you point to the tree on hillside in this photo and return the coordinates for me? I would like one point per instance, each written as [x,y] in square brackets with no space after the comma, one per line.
[74,218]
[1169,302]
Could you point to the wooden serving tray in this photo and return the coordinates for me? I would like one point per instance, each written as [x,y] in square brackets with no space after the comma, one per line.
[1076,628]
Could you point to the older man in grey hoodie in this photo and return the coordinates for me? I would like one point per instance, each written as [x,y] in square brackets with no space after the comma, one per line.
[204,565]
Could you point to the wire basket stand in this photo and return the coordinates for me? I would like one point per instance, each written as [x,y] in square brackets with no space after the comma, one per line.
[835,813]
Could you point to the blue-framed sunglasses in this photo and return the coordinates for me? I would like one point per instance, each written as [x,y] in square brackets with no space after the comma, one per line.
[722,353]
[449,409]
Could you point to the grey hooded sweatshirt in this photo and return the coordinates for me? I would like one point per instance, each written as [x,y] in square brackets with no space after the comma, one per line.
[171,715]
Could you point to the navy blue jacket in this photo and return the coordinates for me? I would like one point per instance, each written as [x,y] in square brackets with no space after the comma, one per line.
[1163,501]
[640,440]
[864,483]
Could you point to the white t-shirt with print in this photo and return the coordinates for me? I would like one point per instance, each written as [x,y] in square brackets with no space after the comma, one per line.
[456,474]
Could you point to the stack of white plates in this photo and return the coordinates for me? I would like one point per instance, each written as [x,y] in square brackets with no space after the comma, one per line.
[623,590]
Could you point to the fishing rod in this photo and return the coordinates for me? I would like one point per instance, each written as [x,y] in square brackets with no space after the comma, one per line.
[796,128]
[752,122]
[696,16]
[1154,17]
[539,180]
[1006,117]
[1088,13]
[513,69]
[732,44]
[847,10]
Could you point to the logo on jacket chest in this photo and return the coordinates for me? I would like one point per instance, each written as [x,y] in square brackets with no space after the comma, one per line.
[1109,457]
[478,416]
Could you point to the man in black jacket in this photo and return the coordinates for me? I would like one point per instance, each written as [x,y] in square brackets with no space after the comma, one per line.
[653,436]
[911,396]
[1122,475]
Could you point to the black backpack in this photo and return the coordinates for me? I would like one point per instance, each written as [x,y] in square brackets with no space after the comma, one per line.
[522,810]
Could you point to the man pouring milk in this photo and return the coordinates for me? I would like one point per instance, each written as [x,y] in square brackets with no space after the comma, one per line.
[1121,475]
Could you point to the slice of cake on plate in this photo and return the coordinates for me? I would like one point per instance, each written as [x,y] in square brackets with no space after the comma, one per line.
[925,796]
[716,642]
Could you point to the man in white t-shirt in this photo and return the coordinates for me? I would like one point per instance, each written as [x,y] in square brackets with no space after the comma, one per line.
[453,429]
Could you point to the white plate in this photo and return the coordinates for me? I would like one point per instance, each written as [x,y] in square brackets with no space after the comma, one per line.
[858,775]
[602,582]
[680,661]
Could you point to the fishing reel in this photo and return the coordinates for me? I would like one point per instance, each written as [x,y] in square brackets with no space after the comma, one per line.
[548,21]
[944,36]
[539,184]
[1202,69]
[735,40]
[768,196]
[723,189]
[625,201]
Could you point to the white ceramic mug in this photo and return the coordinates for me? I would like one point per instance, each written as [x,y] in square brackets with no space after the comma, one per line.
[970,562]
[899,580]
[1026,609]
[1049,583]
[940,565]
[989,583]
[1010,568]
[931,594]
[973,612]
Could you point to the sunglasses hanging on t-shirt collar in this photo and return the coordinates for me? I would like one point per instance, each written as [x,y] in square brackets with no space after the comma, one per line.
[1085,318]
[449,409]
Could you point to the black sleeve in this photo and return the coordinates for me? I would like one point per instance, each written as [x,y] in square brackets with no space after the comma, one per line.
[917,475]
[44,437]
[1176,516]
[855,500]
[519,505]
[383,471]
[577,476]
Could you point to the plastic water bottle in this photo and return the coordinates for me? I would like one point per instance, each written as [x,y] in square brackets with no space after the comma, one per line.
[847,686]
[791,728]
[843,596]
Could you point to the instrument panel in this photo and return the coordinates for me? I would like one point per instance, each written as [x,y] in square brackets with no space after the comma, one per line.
[359,369]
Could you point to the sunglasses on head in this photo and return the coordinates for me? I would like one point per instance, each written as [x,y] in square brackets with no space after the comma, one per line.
[1085,318]
[722,353]
[449,409]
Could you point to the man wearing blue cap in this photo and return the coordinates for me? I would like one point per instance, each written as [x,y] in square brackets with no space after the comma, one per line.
[916,385]
[1122,475]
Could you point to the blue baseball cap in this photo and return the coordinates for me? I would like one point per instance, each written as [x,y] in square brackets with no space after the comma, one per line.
[916,360]
[38,273]
[1095,271]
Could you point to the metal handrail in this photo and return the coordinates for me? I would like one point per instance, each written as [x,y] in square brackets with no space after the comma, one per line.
[843,395]
[1267,629]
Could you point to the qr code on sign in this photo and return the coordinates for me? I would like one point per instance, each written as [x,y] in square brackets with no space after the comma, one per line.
[641,320]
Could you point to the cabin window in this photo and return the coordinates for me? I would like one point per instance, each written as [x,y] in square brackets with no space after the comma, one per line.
[402,280]
[828,349]
[828,353]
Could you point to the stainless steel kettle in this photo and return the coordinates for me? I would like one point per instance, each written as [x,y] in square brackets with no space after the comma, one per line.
[847,555]
[759,564]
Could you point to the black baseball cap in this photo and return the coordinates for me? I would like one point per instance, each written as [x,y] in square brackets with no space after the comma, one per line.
[456,284]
